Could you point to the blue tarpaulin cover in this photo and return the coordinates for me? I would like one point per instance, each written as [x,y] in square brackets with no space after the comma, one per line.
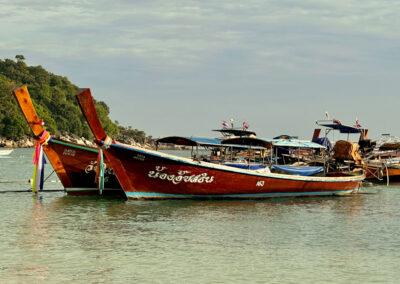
[302,171]
[324,142]
[245,166]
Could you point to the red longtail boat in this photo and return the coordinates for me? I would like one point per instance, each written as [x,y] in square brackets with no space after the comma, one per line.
[144,173]
[74,164]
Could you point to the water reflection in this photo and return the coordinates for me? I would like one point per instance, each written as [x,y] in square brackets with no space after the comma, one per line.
[34,240]
[62,238]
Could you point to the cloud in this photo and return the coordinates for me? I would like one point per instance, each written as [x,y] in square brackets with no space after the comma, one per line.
[179,32]
[280,51]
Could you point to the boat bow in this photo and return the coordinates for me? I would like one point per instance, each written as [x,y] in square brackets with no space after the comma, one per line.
[88,108]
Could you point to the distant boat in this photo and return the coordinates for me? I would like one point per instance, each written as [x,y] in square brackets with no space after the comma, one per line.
[5,153]
[151,174]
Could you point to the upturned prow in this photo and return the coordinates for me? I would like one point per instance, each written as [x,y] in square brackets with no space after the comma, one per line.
[23,98]
[86,104]
[24,101]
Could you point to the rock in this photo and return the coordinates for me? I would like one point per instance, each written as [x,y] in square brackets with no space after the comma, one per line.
[26,142]
[10,144]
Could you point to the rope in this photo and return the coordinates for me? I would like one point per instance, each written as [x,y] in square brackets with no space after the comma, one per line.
[44,181]
[387,175]
[29,190]
[100,164]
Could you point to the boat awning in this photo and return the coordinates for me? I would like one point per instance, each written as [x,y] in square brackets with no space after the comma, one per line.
[189,141]
[297,144]
[235,132]
[264,142]
[337,125]
[207,142]
[303,171]
[248,141]
[285,136]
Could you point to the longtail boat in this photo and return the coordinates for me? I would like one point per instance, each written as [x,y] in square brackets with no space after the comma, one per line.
[150,174]
[74,164]
[380,161]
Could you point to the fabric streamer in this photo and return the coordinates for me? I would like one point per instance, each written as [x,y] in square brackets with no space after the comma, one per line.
[39,161]
[100,164]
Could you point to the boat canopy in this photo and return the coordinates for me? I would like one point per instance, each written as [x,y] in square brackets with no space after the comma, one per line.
[265,142]
[204,142]
[285,136]
[235,132]
[250,141]
[238,142]
[337,125]
[297,144]
[190,141]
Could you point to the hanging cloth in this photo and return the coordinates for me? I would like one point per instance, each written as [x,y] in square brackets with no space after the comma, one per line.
[39,161]
[100,164]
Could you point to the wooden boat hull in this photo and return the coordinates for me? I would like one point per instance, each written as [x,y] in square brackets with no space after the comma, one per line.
[144,173]
[75,166]
[380,172]
[157,175]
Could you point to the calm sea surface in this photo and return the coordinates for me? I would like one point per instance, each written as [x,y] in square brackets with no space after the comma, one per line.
[55,238]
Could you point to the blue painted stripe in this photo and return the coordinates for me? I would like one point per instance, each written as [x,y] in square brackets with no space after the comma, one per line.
[156,194]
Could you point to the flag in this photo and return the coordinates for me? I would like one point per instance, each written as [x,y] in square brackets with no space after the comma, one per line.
[224,124]
[245,125]
[336,121]
[357,123]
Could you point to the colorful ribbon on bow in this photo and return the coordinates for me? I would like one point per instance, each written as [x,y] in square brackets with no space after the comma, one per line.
[39,161]
[100,164]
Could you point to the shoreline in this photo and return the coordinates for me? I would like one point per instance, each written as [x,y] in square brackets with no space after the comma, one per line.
[29,142]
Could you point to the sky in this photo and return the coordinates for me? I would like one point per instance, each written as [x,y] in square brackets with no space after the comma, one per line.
[181,67]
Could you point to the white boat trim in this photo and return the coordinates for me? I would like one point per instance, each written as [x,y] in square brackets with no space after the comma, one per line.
[89,189]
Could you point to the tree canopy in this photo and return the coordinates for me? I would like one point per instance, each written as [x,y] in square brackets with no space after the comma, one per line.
[53,98]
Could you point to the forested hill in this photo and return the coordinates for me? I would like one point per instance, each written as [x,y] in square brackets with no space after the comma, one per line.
[54,99]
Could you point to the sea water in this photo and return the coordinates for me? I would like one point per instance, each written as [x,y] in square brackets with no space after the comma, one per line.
[54,238]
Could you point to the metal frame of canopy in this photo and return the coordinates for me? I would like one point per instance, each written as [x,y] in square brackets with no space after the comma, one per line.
[213,143]
[244,142]
[342,128]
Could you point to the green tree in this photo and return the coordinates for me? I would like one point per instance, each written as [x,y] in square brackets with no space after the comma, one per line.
[54,99]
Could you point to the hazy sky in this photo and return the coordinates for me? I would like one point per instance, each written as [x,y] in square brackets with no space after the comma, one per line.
[180,67]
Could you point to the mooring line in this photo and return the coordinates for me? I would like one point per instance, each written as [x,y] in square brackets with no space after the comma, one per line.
[30,190]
